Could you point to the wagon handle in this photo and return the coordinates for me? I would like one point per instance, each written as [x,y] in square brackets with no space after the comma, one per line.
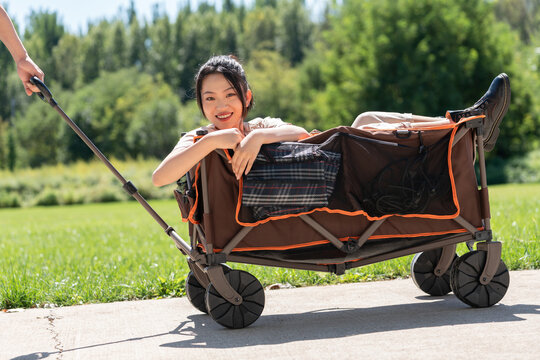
[45,95]
[44,92]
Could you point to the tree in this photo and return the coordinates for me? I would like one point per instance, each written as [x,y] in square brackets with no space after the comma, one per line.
[260,29]
[3,141]
[125,113]
[275,85]
[521,15]
[7,65]
[228,6]
[115,51]
[12,151]
[43,32]
[93,48]
[294,30]
[67,59]
[136,52]
[37,136]
[410,56]
[153,130]
[161,59]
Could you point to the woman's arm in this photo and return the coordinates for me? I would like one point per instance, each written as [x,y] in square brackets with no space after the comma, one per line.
[26,68]
[179,161]
[249,147]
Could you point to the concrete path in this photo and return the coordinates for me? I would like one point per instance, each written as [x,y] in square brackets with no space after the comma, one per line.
[378,320]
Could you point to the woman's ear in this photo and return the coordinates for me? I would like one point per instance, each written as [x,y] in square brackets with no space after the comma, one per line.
[249,96]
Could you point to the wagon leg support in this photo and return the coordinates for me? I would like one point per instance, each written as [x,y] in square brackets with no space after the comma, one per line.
[469,227]
[493,251]
[447,257]
[236,239]
[327,234]
[201,277]
[221,284]
[484,196]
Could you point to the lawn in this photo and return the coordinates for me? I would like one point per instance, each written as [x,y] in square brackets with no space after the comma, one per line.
[65,255]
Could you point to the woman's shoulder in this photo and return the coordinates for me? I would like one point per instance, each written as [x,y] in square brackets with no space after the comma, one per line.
[187,138]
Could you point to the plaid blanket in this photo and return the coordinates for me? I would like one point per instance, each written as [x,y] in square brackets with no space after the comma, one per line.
[290,178]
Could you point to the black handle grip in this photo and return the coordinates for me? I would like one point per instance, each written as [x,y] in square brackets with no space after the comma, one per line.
[45,93]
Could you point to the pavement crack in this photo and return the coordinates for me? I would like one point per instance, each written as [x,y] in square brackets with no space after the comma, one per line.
[55,336]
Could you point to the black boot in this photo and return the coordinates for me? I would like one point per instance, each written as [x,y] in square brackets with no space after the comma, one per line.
[494,105]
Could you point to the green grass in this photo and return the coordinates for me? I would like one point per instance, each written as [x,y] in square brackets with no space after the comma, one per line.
[110,252]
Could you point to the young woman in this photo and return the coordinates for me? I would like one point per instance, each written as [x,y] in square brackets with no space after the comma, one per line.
[224,97]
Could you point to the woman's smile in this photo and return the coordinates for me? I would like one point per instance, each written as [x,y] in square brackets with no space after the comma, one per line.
[220,102]
[224,116]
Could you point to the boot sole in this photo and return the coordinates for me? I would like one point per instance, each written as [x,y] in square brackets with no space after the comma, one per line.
[491,137]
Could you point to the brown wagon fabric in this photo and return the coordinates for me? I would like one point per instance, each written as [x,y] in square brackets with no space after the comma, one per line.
[379,178]
[415,179]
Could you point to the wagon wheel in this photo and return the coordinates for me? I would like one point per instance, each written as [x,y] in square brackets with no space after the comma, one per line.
[237,316]
[423,273]
[195,292]
[465,280]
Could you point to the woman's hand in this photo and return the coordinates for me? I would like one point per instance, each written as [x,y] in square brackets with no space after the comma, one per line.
[26,68]
[226,139]
[246,152]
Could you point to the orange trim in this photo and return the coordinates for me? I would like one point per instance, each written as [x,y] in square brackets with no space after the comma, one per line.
[226,151]
[343,239]
[453,126]
[194,207]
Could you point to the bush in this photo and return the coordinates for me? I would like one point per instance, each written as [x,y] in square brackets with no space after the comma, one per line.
[106,194]
[525,169]
[9,200]
[71,198]
[47,197]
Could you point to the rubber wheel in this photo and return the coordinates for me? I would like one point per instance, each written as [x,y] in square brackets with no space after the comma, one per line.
[196,293]
[465,281]
[423,273]
[237,316]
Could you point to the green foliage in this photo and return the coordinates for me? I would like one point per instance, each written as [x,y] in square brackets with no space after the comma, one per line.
[9,200]
[524,169]
[37,135]
[43,32]
[125,113]
[67,57]
[274,85]
[127,79]
[294,31]
[521,15]
[410,56]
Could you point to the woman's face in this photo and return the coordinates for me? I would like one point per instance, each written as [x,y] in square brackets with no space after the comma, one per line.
[221,104]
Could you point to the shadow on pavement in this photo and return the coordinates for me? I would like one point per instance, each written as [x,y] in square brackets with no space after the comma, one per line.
[201,331]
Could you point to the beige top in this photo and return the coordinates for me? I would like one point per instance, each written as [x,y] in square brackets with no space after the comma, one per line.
[257,123]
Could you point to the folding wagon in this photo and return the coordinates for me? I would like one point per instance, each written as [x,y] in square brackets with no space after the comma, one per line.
[341,199]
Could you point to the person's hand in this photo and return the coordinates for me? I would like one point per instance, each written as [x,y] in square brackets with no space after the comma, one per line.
[245,154]
[26,68]
[226,139]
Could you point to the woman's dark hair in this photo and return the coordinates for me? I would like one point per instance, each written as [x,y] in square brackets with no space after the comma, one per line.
[229,67]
